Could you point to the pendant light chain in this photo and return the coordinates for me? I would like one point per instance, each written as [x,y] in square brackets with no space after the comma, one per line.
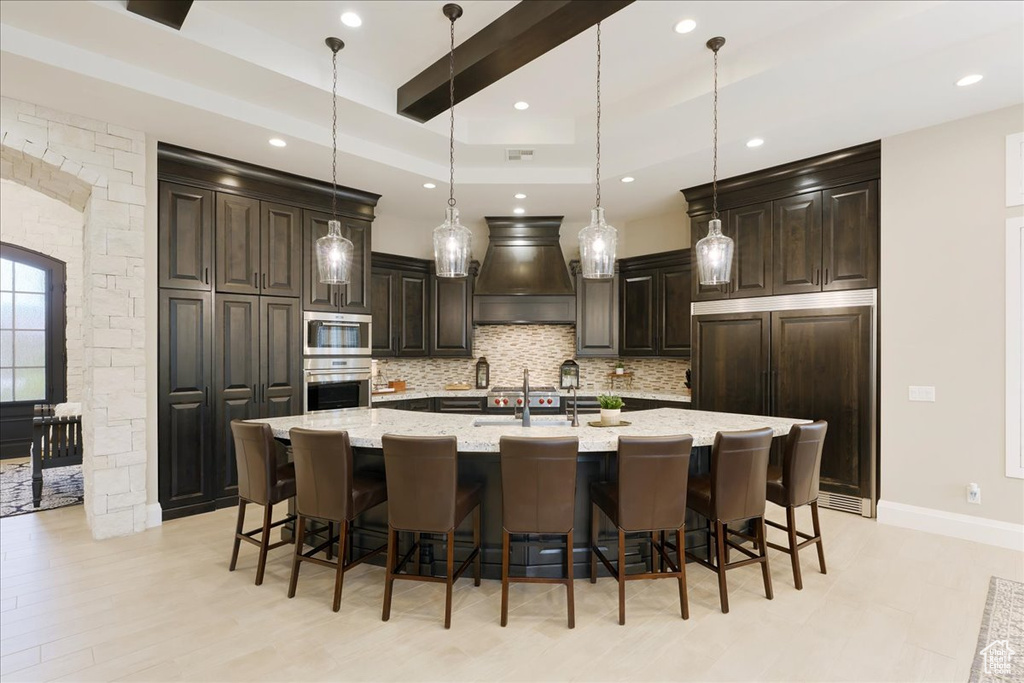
[451,118]
[334,139]
[598,114]
[714,172]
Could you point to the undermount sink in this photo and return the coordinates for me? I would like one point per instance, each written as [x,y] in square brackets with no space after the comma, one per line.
[560,421]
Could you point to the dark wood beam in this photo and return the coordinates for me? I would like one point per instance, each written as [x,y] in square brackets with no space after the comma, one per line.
[517,37]
[167,12]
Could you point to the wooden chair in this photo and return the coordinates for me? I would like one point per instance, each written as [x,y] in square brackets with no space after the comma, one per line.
[56,442]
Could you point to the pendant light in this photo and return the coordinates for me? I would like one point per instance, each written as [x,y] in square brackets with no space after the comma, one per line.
[714,251]
[598,240]
[334,252]
[453,242]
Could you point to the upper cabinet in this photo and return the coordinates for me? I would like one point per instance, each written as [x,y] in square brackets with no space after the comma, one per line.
[654,304]
[351,298]
[280,250]
[451,310]
[400,293]
[808,226]
[597,315]
[258,247]
[186,236]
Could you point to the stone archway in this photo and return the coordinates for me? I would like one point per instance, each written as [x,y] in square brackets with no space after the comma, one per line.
[61,156]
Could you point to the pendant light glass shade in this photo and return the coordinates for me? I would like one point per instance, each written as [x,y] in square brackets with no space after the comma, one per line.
[714,255]
[453,244]
[334,256]
[597,247]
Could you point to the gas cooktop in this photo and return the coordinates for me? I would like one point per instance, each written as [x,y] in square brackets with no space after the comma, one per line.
[512,397]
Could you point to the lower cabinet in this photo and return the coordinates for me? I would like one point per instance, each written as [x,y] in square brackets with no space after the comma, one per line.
[468,405]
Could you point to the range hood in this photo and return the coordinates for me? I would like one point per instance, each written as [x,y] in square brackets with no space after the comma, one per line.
[523,278]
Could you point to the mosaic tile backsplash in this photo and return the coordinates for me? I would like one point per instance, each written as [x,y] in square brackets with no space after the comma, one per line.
[541,348]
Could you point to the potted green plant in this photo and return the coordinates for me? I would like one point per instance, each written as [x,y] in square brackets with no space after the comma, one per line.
[619,368]
[611,409]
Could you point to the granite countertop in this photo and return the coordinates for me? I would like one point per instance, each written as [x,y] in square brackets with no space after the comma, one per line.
[365,427]
[479,393]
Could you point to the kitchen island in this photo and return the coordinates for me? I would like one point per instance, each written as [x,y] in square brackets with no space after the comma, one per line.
[479,461]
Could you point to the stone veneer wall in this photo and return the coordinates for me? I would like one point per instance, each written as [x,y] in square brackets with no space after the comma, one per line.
[100,169]
[542,348]
[35,221]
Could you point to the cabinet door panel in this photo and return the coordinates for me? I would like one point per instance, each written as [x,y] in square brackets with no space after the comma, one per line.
[185,375]
[751,228]
[797,244]
[238,244]
[674,297]
[280,356]
[281,250]
[699,230]
[186,236]
[452,309]
[821,361]
[638,321]
[355,296]
[597,316]
[850,237]
[730,363]
[237,368]
[316,296]
[413,304]
[382,302]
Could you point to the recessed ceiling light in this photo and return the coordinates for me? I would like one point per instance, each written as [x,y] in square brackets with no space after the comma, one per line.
[519,211]
[628,179]
[686,25]
[351,19]
[520,195]
[278,142]
[429,186]
[755,142]
[969,80]
[521,106]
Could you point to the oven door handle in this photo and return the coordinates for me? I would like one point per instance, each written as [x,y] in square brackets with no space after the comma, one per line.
[327,377]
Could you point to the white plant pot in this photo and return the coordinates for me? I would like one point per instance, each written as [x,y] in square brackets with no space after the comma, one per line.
[619,371]
[609,416]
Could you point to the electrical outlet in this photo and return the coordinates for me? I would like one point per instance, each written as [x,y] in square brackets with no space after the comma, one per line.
[974,494]
[922,394]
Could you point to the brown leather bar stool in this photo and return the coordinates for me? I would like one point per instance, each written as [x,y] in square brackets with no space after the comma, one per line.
[649,496]
[327,489]
[538,496]
[262,481]
[424,496]
[796,484]
[735,492]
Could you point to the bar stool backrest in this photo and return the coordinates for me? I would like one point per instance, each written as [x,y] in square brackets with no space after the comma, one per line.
[422,474]
[538,484]
[801,465]
[323,473]
[653,474]
[256,459]
[739,473]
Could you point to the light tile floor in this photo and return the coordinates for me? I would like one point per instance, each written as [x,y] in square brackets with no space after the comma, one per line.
[896,605]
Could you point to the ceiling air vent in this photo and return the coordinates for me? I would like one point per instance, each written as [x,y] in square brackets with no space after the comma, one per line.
[518,155]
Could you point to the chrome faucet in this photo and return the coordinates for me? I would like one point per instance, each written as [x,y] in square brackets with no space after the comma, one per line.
[575,403]
[526,397]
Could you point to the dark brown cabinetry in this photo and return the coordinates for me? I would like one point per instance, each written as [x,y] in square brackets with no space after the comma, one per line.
[654,309]
[750,227]
[280,250]
[186,237]
[467,406]
[849,237]
[797,244]
[351,298]
[451,306]
[238,244]
[597,314]
[400,306]
[730,363]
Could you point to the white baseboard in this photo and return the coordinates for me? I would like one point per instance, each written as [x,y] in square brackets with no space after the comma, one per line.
[154,515]
[967,527]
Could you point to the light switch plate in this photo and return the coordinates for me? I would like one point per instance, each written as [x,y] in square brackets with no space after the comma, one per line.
[922,394]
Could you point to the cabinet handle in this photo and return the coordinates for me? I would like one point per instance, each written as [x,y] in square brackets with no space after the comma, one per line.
[263,391]
[764,391]
[206,275]
[826,276]
[206,396]
[255,281]
[264,280]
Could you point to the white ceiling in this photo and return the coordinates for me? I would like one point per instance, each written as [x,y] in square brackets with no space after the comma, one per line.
[806,77]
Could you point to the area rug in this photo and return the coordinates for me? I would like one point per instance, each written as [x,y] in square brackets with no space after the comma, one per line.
[62,486]
[999,657]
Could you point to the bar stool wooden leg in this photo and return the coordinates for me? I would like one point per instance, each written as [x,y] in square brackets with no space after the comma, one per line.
[504,576]
[723,586]
[238,530]
[765,569]
[654,552]
[684,603]
[794,545]
[817,534]
[449,580]
[622,577]
[330,547]
[268,515]
[595,523]
[389,579]
[300,534]
[476,544]
[416,553]
[569,575]
[339,576]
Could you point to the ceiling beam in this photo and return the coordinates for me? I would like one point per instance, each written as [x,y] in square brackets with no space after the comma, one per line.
[167,12]
[517,37]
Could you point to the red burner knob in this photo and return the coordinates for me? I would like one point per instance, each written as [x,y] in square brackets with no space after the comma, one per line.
[497,401]
[519,401]
[549,401]
[504,401]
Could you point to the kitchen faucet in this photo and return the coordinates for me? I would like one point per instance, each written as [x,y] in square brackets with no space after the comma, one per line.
[575,403]
[526,397]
